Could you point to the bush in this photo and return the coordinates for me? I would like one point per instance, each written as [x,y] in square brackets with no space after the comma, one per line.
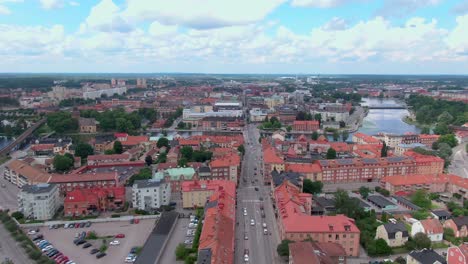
[141,212]
[17,215]
[92,235]
[283,248]
[181,252]
[35,254]
[103,248]
[115,216]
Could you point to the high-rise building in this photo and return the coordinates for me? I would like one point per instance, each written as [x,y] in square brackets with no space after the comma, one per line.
[39,202]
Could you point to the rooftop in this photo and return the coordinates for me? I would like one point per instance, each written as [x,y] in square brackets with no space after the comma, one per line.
[33,174]
[427,256]
[175,173]
[147,183]
[380,201]
[38,188]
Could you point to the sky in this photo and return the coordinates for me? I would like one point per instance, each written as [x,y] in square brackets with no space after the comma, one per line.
[235,36]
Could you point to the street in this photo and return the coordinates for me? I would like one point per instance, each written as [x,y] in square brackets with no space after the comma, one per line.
[10,249]
[459,165]
[9,193]
[261,247]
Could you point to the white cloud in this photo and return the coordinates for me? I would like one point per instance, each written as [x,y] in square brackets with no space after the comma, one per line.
[457,40]
[52,4]
[4,10]
[105,17]
[461,8]
[399,8]
[320,3]
[336,23]
[73,3]
[157,29]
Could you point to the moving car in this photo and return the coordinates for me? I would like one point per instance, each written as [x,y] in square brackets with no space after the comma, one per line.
[114,243]
[265,231]
[246,237]
[264,225]
[252,222]
[246,255]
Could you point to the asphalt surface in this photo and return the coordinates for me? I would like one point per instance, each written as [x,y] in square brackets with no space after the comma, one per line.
[9,193]
[262,248]
[178,236]
[459,165]
[155,242]
[10,249]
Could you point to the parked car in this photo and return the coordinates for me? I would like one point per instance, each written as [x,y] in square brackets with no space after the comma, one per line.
[137,221]
[100,255]
[133,250]
[31,232]
[82,241]
[94,251]
[114,243]
[65,226]
[87,245]
[130,258]
[82,225]
[38,237]
[88,224]
[120,236]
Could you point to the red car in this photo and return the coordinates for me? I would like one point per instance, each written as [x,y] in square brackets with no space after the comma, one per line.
[64,260]
[57,256]
[137,221]
[120,236]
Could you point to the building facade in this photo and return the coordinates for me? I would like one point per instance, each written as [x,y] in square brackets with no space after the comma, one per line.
[39,202]
[150,194]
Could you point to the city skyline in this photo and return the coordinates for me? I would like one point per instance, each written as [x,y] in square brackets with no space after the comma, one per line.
[277,36]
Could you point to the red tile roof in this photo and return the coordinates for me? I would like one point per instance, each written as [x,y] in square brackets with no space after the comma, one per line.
[413,179]
[303,167]
[135,140]
[428,136]
[42,147]
[93,195]
[232,159]
[109,157]
[270,156]
[422,158]
[86,177]
[367,139]
[340,146]
[432,226]
[305,122]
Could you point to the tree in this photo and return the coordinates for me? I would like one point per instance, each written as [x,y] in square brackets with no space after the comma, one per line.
[421,199]
[182,162]
[384,217]
[331,153]
[425,130]
[400,260]
[83,150]
[419,241]
[143,174]
[241,149]
[342,124]
[364,191]
[344,135]
[420,214]
[315,135]
[162,158]
[186,152]
[149,160]
[382,248]
[283,248]
[441,129]
[312,187]
[449,139]
[289,128]
[318,117]
[163,142]
[63,163]
[62,122]
[118,149]
[336,135]
[384,150]
[17,215]
[345,205]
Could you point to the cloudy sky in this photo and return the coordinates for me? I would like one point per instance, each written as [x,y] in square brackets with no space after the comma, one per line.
[235,36]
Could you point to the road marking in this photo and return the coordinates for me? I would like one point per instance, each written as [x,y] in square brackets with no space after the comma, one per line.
[251,201]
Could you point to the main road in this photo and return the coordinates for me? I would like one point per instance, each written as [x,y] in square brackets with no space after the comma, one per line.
[459,165]
[252,194]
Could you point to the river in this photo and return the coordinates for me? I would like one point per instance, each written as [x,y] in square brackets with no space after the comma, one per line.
[385,120]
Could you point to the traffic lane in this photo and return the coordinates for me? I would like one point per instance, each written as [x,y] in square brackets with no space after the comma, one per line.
[10,249]
[8,195]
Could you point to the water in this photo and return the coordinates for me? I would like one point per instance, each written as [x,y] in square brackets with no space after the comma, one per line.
[4,142]
[385,120]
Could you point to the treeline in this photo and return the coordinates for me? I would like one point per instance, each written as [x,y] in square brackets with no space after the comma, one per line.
[39,83]
[75,102]
[429,110]
[6,101]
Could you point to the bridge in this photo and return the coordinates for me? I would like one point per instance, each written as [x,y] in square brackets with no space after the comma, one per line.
[27,133]
[387,107]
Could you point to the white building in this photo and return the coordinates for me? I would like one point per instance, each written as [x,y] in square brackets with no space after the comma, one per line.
[39,202]
[258,115]
[93,93]
[402,148]
[150,194]
[431,227]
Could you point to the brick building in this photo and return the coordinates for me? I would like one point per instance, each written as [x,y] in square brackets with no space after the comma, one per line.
[226,167]
[271,161]
[307,126]
[70,182]
[82,202]
[196,193]
[105,159]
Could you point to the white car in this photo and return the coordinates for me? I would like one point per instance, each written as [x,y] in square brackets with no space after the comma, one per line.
[114,243]
[264,225]
[245,213]
[246,258]
[265,231]
[47,248]
[31,232]
[252,222]
[130,258]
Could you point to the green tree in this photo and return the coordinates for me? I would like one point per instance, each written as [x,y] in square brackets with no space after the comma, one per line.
[63,163]
[62,122]
[419,241]
[384,217]
[143,174]
[289,128]
[364,191]
[163,142]
[425,130]
[336,135]
[118,149]
[149,160]
[331,153]
[318,117]
[83,150]
[344,135]
[345,205]
[379,248]
[187,152]
[400,260]
[241,149]
[283,248]
[421,199]
[384,150]
[182,162]
[441,129]
[17,215]
[445,117]
[162,158]
[449,139]
[312,187]
[315,135]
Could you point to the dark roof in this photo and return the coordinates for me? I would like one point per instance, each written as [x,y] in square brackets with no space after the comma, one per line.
[38,188]
[204,169]
[379,201]
[324,202]
[152,249]
[361,203]
[442,213]
[406,202]
[427,256]
[392,229]
[220,118]
[204,256]
[461,221]
[103,139]
[300,159]
[147,183]
[280,177]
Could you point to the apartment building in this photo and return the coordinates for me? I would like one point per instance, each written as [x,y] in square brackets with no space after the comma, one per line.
[40,201]
[226,167]
[307,252]
[271,161]
[366,169]
[175,177]
[92,201]
[150,194]
[106,159]
[21,173]
[306,126]
[70,182]
[196,193]
[361,138]
[295,222]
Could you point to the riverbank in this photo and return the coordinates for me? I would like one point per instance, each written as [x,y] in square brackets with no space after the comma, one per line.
[408,120]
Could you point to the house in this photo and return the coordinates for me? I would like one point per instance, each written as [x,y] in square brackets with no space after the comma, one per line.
[82,202]
[431,227]
[39,202]
[458,225]
[425,256]
[104,159]
[87,125]
[306,252]
[150,194]
[306,126]
[441,215]
[457,255]
[279,177]
[395,234]
[381,202]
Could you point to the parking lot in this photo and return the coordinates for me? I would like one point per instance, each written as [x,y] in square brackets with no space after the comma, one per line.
[135,235]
